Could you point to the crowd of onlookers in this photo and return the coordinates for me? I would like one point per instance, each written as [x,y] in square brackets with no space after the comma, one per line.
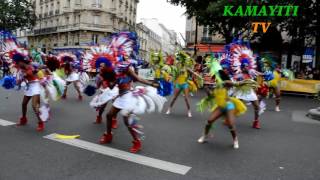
[308,73]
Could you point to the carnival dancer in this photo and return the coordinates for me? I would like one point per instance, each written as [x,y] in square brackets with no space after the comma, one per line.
[129,101]
[102,62]
[7,44]
[244,67]
[182,75]
[72,75]
[28,75]
[221,103]
[272,77]
[162,72]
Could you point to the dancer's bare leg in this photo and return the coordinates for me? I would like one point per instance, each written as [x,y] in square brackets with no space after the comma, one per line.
[175,96]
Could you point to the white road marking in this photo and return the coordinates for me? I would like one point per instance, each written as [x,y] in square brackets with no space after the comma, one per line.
[6,123]
[300,117]
[139,159]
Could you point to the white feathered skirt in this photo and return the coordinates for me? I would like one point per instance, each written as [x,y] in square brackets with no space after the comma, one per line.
[73,77]
[248,96]
[139,101]
[105,96]
[33,88]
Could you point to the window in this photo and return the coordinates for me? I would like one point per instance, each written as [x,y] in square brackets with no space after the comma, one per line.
[97,3]
[95,38]
[78,2]
[96,19]
[66,40]
[67,20]
[68,3]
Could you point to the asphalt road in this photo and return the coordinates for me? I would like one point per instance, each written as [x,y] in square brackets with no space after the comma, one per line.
[282,149]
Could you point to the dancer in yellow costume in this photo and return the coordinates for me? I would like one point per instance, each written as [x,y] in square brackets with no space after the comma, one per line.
[221,104]
[274,82]
[181,76]
[161,70]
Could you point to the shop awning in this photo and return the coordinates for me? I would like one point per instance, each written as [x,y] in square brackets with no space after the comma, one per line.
[208,48]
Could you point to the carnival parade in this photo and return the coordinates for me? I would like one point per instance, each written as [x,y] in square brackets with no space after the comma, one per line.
[180,90]
[240,77]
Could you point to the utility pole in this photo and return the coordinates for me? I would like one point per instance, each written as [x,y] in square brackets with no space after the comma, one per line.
[196,38]
[317,37]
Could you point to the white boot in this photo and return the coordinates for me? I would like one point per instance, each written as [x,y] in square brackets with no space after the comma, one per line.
[168,111]
[203,139]
[236,144]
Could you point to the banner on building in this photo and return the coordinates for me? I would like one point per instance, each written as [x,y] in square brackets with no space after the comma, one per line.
[308,55]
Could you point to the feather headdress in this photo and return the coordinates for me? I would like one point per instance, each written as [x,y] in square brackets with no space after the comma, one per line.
[241,58]
[156,58]
[184,59]
[9,46]
[100,55]
[66,57]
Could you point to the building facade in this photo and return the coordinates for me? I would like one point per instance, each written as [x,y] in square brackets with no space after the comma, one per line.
[149,41]
[204,34]
[168,38]
[71,24]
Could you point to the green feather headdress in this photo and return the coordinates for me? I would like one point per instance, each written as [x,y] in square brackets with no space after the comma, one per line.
[156,58]
[214,67]
[184,59]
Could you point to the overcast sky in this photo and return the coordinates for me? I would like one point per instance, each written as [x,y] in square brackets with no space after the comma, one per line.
[171,16]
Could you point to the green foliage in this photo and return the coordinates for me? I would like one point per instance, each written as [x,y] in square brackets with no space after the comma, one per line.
[210,12]
[16,14]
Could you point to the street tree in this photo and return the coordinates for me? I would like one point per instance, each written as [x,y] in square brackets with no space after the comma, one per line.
[299,28]
[15,14]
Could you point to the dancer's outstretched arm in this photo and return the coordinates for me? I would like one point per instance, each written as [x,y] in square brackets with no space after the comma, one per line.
[141,80]
[196,74]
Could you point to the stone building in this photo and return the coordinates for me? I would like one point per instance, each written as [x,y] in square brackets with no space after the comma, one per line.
[149,41]
[76,24]
[168,38]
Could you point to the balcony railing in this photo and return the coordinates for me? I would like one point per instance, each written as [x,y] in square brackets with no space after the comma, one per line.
[78,7]
[67,9]
[78,26]
[96,5]
[206,40]
[45,31]
[71,27]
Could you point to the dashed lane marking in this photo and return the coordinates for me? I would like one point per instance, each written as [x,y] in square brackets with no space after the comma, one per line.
[135,158]
[300,117]
[6,123]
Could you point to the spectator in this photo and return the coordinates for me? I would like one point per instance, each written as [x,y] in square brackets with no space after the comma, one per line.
[316,74]
[309,73]
[301,75]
